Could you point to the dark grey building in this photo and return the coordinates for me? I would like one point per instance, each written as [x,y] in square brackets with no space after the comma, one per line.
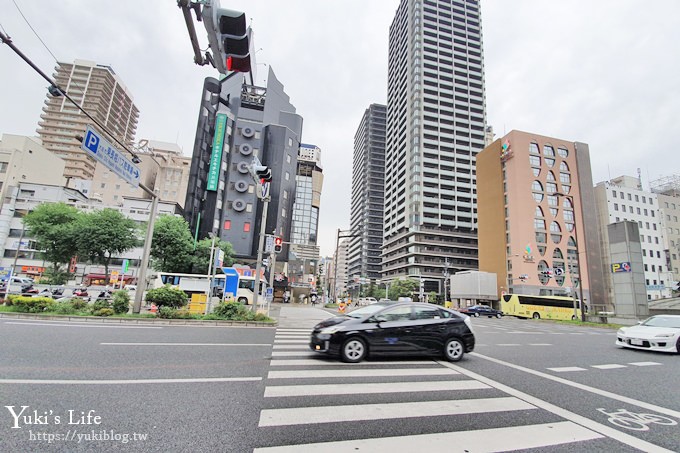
[435,128]
[368,195]
[236,123]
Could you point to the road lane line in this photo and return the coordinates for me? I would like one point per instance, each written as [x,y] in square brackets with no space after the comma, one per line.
[566,369]
[583,421]
[385,411]
[378,387]
[81,325]
[124,381]
[609,366]
[286,341]
[605,393]
[490,440]
[540,344]
[644,363]
[344,373]
[185,344]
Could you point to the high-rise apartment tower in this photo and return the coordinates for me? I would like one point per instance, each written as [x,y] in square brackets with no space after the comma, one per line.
[435,128]
[368,194]
[102,94]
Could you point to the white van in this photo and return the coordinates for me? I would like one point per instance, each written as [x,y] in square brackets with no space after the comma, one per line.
[16,283]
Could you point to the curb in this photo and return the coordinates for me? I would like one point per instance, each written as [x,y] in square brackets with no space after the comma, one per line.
[141,321]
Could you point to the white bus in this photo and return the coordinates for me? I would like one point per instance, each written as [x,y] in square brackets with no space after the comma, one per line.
[198,284]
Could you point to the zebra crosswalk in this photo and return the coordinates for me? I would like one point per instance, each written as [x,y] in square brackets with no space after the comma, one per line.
[312,404]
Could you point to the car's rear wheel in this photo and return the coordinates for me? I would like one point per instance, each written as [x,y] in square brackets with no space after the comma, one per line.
[498,315]
[536,316]
[454,349]
[476,315]
[353,350]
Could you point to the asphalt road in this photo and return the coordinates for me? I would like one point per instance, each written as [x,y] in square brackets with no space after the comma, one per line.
[530,385]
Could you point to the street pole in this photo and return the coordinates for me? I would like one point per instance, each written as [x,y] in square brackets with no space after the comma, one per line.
[272,268]
[211,273]
[263,225]
[335,269]
[141,283]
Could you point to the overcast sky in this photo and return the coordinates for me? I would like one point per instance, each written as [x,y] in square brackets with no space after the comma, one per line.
[601,72]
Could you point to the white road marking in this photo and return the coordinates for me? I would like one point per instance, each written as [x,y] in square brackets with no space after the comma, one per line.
[644,363]
[583,421]
[292,353]
[321,362]
[488,440]
[508,344]
[345,373]
[279,341]
[185,344]
[566,369]
[124,381]
[540,344]
[291,346]
[610,366]
[378,387]
[384,411]
[281,329]
[81,325]
[614,396]
[575,333]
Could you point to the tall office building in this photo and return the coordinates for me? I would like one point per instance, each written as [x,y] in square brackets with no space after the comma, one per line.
[304,252]
[103,95]
[668,191]
[435,128]
[368,194]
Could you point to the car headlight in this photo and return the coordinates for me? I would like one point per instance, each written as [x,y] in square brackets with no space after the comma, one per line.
[621,331]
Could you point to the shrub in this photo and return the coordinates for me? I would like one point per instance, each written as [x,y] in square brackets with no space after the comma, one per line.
[64,308]
[10,298]
[232,310]
[167,296]
[99,304]
[103,312]
[172,313]
[121,302]
[32,304]
[78,303]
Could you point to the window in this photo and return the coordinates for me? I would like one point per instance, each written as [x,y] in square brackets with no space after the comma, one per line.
[535,161]
[637,198]
[533,148]
[564,167]
[550,176]
[548,151]
[537,187]
[549,162]
[565,178]
[400,313]
[427,313]
[246,227]
[562,152]
[614,193]
[616,206]
[630,198]
[3,167]
[539,224]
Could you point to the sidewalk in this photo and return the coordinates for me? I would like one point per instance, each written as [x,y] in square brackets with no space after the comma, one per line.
[301,316]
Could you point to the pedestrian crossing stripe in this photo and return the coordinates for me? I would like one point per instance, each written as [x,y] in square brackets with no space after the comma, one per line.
[321,362]
[371,388]
[488,440]
[384,411]
[292,346]
[346,373]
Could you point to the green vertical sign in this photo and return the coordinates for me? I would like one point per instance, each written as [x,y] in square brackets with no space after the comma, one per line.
[216,156]
[126,265]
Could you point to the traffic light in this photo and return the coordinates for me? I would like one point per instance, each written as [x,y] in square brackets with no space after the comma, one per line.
[278,244]
[229,36]
[263,172]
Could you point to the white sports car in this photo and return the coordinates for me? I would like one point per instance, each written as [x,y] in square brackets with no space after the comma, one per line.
[658,333]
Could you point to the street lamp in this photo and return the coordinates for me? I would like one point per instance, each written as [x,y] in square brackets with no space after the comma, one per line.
[578,252]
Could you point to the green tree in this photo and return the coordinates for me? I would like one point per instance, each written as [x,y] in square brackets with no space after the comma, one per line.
[172,245]
[403,288]
[104,234]
[53,227]
[201,257]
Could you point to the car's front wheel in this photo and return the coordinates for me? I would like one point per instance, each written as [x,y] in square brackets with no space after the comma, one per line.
[476,315]
[353,350]
[454,349]
[498,315]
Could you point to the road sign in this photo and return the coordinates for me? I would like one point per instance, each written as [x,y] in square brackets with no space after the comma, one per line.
[126,265]
[269,244]
[270,294]
[114,276]
[558,271]
[99,148]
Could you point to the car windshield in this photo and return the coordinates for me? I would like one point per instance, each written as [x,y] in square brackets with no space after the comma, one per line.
[663,321]
[365,311]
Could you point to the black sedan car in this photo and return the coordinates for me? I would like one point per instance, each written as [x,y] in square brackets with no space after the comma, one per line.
[397,328]
[481,310]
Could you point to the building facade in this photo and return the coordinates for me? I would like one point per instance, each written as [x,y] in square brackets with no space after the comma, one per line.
[435,127]
[303,259]
[238,122]
[624,199]
[667,190]
[537,230]
[368,194]
[101,92]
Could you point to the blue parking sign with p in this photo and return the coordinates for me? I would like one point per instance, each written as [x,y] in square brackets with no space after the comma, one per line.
[91,141]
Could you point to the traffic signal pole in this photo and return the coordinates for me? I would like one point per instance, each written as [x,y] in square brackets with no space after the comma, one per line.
[258,267]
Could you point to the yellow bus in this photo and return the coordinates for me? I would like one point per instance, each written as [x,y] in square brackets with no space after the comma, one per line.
[537,307]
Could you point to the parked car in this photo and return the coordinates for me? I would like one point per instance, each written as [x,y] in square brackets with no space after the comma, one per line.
[657,333]
[481,310]
[395,328]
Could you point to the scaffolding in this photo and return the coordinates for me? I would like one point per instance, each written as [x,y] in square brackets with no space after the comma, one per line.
[668,185]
